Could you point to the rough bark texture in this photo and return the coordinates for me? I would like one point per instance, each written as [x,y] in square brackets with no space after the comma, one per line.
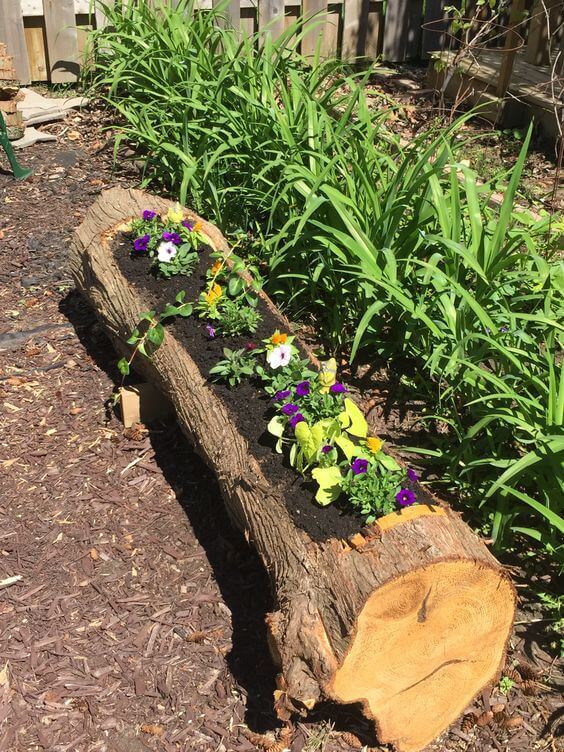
[411,619]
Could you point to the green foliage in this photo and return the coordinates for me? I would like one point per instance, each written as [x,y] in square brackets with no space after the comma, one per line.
[506,684]
[236,318]
[236,366]
[394,248]
[184,262]
[372,494]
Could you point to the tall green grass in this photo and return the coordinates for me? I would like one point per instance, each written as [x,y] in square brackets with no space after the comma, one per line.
[394,249]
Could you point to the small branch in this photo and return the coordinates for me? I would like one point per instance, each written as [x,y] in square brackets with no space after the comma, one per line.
[10,581]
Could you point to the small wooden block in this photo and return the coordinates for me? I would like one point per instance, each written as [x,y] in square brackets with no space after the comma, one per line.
[142,403]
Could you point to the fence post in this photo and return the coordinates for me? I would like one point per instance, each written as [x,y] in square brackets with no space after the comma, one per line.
[13,35]
[62,40]
[355,25]
[314,13]
[271,14]
[232,12]
[402,29]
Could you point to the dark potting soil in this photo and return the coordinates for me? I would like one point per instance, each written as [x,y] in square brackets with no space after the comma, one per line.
[249,407]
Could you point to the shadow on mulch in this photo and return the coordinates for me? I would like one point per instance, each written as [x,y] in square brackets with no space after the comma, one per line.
[240,576]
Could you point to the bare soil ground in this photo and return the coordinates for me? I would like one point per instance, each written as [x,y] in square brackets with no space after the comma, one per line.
[138,621]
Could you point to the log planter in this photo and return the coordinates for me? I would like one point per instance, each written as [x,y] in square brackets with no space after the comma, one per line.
[409,617]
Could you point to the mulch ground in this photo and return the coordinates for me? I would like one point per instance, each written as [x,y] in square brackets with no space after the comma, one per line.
[138,621]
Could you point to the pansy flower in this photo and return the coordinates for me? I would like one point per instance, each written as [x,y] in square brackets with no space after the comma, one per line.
[172,237]
[140,244]
[282,395]
[295,419]
[175,214]
[278,338]
[279,357]
[166,252]
[412,475]
[188,225]
[374,444]
[405,497]
[289,409]
[303,388]
[359,466]
[148,215]
[326,449]
[210,330]
[338,388]
[213,294]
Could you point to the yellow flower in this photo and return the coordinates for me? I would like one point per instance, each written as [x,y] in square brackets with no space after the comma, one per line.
[278,339]
[212,296]
[216,267]
[197,227]
[374,444]
[327,374]
[175,214]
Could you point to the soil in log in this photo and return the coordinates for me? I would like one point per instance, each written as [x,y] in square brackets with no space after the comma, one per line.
[408,617]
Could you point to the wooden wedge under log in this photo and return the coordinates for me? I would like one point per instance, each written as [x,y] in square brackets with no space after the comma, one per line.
[9,95]
[409,618]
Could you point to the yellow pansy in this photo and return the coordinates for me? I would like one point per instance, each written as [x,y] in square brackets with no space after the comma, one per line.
[213,295]
[374,444]
[175,214]
[327,374]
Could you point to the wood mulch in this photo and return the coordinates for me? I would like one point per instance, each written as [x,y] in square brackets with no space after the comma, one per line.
[138,619]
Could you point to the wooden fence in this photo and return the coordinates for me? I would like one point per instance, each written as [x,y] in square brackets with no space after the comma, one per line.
[47,37]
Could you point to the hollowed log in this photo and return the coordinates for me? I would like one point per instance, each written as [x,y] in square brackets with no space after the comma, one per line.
[410,619]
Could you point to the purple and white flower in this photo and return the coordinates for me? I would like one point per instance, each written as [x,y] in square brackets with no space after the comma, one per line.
[279,356]
[166,252]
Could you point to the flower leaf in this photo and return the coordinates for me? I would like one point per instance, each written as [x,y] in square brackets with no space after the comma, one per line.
[329,480]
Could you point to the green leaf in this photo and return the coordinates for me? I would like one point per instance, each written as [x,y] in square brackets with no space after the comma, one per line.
[276,426]
[329,480]
[387,461]
[155,335]
[352,420]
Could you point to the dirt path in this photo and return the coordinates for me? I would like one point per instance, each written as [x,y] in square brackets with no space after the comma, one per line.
[138,621]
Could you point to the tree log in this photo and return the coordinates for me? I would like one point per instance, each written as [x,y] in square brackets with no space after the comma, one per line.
[409,619]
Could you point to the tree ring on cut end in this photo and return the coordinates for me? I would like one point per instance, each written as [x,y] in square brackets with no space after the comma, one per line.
[425,644]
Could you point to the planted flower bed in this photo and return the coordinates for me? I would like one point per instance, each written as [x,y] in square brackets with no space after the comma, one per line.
[385,597]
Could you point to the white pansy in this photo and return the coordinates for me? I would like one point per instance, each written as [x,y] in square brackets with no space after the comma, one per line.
[166,251]
[279,356]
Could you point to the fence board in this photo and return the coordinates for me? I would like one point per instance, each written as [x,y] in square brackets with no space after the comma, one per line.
[13,35]
[435,25]
[271,15]
[354,29]
[232,12]
[35,42]
[62,42]
[402,32]
[314,13]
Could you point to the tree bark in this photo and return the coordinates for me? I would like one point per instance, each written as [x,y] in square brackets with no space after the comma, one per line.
[410,619]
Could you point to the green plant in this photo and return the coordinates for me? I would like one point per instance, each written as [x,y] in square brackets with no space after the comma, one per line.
[148,336]
[506,684]
[392,248]
[237,365]
[235,318]
[373,493]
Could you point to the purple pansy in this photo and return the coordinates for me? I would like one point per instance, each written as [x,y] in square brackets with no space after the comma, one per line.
[172,237]
[282,394]
[140,244]
[412,475]
[359,466]
[302,389]
[338,388]
[188,225]
[405,497]
[210,330]
[290,409]
[295,419]
[148,215]
[326,449]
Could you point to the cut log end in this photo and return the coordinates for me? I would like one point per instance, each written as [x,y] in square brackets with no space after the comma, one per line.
[433,638]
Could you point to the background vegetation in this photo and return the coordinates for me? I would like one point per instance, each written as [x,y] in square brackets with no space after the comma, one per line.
[393,249]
